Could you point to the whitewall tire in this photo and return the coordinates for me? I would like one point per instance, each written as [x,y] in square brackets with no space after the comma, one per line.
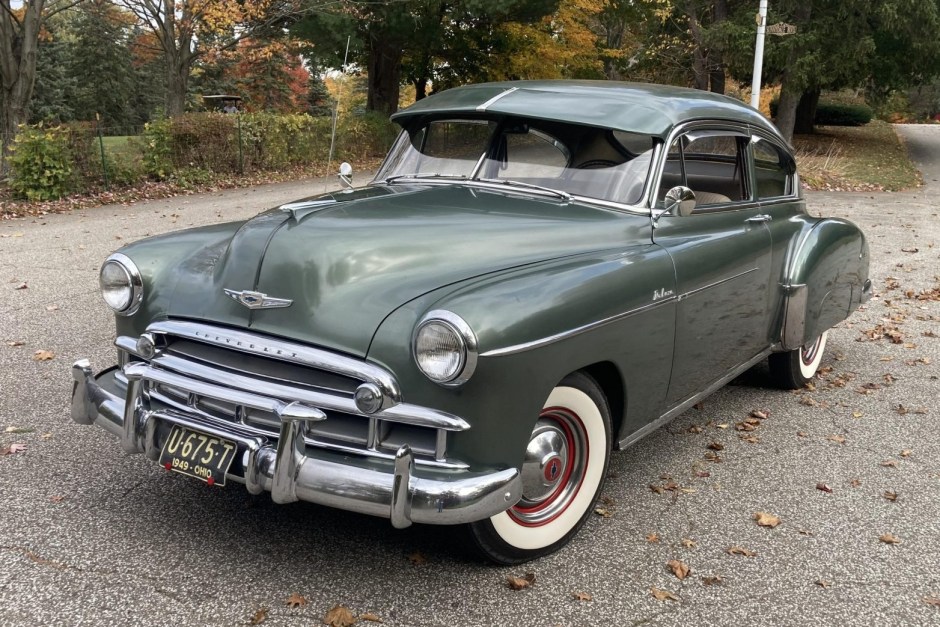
[792,369]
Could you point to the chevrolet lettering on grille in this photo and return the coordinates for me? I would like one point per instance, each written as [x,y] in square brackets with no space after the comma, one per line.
[257,300]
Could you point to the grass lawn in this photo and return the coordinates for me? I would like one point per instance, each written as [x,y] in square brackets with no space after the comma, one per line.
[121,145]
[862,158]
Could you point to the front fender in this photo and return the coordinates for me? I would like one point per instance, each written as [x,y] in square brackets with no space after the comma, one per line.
[535,325]
[826,279]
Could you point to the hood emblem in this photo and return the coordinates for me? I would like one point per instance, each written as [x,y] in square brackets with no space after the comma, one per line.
[257,300]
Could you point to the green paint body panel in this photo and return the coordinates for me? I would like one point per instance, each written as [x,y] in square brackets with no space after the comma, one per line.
[548,286]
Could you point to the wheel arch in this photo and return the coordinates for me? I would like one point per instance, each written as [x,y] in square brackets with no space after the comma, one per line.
[610,380]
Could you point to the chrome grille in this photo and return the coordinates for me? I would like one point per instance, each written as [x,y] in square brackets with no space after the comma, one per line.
[273,369]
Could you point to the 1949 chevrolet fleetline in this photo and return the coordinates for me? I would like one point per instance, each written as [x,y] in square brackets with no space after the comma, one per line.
[540,273]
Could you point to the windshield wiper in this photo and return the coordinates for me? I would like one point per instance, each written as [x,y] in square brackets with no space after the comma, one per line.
[511,183]
[425,175]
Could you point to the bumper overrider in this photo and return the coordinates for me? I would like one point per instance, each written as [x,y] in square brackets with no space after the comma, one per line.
[286,466]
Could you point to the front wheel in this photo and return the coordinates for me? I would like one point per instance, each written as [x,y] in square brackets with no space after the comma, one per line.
[564,469]
[792,369]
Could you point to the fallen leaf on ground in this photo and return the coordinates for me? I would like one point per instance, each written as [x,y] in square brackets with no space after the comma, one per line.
[934,601]
[43,355]
[582,596]
[369,616]
[21,286]
[680,569]
[339,616]
[652,538]
[716,446]
[723,425]
[760,414]
[823,487]
[740,550]
[417,558]
[712,457]
[15,343]
[12,449]
[12,429]
[699,406]
[906,452]
[688,543]
[296,600]
[603,512]
[56,499]
[521,583]
[663,595]
[855,483]
[766,520]
[52,307]
[608,500]
[889,463]
[750,439]
[802,434]
[822,583]
[839,439]
[695,429]
[890,495]
[702,474]
[888,538]
[259,617]
[712,580]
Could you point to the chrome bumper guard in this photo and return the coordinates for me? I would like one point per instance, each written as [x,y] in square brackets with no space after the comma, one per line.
[287,468]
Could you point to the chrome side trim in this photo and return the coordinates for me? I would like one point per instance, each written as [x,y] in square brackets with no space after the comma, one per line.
[794,316]
[495,98]
[685,295]
[689,402]
[281,349]
[564,335]
[404,412]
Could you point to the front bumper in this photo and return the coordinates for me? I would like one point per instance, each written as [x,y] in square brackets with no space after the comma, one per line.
[291,470]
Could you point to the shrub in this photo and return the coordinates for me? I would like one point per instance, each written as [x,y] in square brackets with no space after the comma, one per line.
[365,135]
[41,163]
[836,114]
[158,161]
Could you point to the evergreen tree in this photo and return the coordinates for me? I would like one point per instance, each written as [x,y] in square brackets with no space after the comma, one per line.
[54,90]
[319,101]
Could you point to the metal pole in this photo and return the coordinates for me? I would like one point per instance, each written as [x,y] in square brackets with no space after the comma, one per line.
[104,163]
[241,158]
[759,54]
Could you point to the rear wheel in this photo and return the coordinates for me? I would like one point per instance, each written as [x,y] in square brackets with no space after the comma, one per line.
[564,469]
[792,369]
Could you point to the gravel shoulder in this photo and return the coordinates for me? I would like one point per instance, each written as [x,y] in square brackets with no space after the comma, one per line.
[91,536]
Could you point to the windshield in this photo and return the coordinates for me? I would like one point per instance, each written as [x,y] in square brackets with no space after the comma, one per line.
[568,159]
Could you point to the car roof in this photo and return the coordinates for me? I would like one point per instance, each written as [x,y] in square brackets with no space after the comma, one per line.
[633,107]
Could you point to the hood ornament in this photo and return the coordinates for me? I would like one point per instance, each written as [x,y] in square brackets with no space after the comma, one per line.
[257,300]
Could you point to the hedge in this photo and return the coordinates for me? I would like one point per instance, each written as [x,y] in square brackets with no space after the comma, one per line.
[188,149]
[835,114]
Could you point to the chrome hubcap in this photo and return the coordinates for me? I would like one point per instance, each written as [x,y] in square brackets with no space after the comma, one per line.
[808,351]
[554,466]
[545,461]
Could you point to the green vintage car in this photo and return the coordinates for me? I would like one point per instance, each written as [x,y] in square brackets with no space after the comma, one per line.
[540,273]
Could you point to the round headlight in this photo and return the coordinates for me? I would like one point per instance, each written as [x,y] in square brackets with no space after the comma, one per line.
[121,286]
[445,348]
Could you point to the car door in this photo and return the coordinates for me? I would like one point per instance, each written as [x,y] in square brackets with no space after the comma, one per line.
[722,257]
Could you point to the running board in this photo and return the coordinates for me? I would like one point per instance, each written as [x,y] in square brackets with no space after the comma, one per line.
[681,407]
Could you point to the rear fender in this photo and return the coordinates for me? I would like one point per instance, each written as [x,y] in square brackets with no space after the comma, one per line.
[826,279]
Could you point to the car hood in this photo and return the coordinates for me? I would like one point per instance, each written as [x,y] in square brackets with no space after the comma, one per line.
[346,261]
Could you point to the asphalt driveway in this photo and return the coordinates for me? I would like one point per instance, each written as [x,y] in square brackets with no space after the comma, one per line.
[91,536]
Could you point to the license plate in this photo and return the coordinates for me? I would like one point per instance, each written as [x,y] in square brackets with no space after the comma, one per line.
[198,455]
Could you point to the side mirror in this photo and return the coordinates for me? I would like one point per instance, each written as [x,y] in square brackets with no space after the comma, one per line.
[345,175]
[679,201]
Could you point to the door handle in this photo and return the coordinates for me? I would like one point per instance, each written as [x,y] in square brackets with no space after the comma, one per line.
[761,217]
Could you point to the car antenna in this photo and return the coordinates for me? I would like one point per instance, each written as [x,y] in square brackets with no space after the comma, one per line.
[329,159]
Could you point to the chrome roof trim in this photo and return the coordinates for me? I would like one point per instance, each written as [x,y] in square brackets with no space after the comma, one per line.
[495,98]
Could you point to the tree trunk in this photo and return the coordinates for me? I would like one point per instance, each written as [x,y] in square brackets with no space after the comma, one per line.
[786,109]
[177,82]
[421,88]
[384,74]
[18,48]
[699,55]
[716,74]
[806,113]
[716,78]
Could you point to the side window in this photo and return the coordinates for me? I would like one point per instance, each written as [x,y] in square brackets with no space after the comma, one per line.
[773,169]
[711,164]
[533,154]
